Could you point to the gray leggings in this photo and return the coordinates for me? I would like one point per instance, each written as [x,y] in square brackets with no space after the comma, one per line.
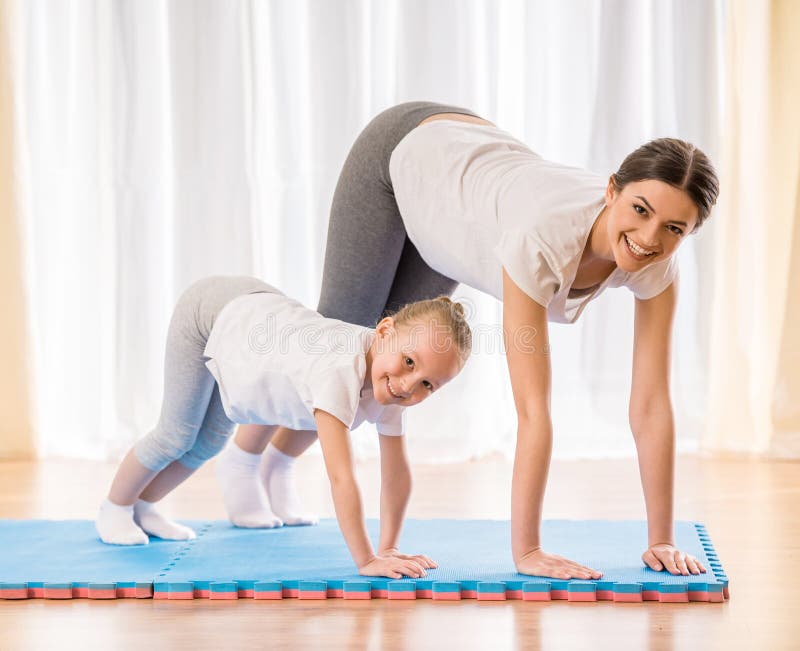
[371,267]
[193,426]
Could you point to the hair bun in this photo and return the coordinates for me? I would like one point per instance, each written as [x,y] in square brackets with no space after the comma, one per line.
[457,307]
[440,310]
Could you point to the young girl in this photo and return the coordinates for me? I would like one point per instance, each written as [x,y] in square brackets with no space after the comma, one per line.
[239,351]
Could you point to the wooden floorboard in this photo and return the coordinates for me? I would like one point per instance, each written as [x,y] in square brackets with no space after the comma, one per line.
[751,509]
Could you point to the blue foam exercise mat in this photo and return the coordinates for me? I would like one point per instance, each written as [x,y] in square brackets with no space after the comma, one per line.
[65,559]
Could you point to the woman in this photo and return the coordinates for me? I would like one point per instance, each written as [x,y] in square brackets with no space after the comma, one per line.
[446,197]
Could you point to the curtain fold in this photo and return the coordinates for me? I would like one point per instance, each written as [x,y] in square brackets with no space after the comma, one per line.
[163,142]
[754,404]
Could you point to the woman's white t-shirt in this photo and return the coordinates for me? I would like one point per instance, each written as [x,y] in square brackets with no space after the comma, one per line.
[275,361]
[475,200]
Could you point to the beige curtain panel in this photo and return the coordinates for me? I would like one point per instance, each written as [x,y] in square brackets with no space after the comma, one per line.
[754,399]
[16,430]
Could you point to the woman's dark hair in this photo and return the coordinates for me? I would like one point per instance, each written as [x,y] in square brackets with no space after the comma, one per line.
[677,163]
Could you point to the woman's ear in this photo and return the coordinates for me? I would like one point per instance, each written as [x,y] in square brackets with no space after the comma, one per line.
[611,190]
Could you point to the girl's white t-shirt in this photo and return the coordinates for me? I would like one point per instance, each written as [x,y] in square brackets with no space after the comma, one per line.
[275,361]
[475,200]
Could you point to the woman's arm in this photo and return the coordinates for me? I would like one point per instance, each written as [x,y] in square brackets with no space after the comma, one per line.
[335,442]
[528,357]
[650,413]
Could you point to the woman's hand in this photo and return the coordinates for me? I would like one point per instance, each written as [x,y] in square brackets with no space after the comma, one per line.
[540,563]
[666,556]
[393,567]
[423,560]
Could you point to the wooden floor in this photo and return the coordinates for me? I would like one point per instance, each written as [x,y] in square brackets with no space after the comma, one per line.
[751,509]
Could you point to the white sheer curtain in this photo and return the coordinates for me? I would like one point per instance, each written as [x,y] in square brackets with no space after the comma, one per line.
[166,141]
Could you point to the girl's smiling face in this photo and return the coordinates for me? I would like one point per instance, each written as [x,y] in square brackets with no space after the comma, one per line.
[647,221]
[407,364]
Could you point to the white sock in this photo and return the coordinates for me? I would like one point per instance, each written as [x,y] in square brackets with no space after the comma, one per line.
[148,518]
[115,525]
[277,474]
[244,497]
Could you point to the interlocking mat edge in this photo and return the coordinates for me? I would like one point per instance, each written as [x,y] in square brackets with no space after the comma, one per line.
[64,559]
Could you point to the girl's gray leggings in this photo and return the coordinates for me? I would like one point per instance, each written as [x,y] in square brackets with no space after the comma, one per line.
[371,267]
[193,426]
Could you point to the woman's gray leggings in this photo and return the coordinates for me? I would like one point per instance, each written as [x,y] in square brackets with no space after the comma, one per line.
[371,267]
[193,426]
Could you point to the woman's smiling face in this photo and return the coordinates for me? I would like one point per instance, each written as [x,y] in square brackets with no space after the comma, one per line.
[647,221]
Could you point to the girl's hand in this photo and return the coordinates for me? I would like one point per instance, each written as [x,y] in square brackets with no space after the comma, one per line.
[393,568]
[423,560]
[540,563]
[666,556]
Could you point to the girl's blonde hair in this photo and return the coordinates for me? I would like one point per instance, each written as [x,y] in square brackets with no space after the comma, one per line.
[441,311]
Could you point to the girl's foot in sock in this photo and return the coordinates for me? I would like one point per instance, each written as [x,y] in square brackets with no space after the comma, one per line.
[116,525]
[278,477]
[148,518]
[245,500]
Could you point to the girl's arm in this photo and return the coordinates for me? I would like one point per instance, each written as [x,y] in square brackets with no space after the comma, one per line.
[395,491]
[650,414]
[528,357]
[335,442]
